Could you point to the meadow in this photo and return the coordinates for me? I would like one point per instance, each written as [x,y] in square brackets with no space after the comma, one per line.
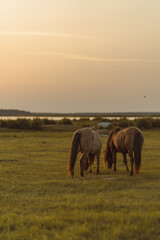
[39,201]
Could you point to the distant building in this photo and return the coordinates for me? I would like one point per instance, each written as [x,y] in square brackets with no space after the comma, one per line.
[104,124]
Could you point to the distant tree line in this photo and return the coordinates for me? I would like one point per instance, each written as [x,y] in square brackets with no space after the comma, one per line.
[142,123]
[35,124]
[15,112]
[38,124]
[25,124]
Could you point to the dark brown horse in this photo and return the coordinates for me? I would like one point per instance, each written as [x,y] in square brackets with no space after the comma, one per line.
[88,142]
[129,140]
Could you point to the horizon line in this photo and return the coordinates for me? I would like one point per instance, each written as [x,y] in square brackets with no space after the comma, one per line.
[81,112]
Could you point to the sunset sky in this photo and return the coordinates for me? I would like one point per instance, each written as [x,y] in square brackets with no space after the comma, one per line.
[80,55]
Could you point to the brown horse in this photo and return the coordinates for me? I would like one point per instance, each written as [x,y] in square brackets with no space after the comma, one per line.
[129,140]
[88,142]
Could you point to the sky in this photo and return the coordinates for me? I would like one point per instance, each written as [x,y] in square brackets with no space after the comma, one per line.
[80,55]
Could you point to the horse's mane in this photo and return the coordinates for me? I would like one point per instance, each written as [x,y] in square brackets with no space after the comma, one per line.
[115,130]
[74,152]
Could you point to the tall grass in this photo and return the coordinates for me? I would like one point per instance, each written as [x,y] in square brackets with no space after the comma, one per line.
[38,200]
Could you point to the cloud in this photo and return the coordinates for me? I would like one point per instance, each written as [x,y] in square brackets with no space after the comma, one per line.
[45,34]
[94,59]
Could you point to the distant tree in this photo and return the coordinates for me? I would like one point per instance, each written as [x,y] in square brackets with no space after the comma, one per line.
[156,123]
[37,124]
[47,121]
[144,123]
[66,121]
[23,123]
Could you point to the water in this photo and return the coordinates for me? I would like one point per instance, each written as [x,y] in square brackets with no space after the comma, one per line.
[30,117]
[33,117]
[59,118]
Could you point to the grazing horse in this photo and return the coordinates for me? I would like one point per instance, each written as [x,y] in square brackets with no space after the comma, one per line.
[129,140]
[88,142]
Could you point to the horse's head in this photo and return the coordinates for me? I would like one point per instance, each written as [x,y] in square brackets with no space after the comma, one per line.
[108,156]
[110,161]
[86,165]
[107,152]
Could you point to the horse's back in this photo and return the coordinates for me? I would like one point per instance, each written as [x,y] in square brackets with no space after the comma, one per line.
[133,134]
[87,138]
[119,141]
[132,130]
[97,143]
[90,141]
[124,139]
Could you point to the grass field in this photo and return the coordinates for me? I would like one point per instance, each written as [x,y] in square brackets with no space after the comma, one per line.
[39,201]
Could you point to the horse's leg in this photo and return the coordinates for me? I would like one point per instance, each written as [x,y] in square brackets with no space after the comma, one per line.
[83,159]
[114,160]
[125,161]
[81,165]
[92,157]
[90,166]
[98,161]
[132,162]
[90,162]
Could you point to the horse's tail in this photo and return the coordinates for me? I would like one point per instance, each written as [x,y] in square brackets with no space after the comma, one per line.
[107,152]
[74,152]
[138,143]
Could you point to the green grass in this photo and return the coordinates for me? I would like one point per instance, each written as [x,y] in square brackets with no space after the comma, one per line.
[38,200]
